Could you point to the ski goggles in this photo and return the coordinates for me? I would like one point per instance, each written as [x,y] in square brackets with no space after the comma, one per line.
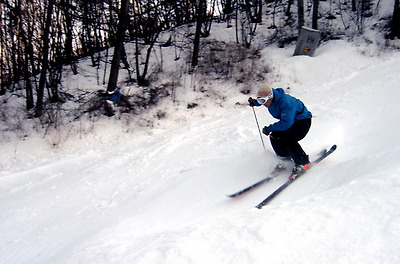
[264,100]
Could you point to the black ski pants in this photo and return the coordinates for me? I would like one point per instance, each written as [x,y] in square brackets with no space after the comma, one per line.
[286,143]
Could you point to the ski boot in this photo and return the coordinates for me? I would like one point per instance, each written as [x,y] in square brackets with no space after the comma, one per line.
[298,169]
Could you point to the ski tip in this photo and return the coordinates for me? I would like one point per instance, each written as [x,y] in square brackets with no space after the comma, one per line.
[333,147]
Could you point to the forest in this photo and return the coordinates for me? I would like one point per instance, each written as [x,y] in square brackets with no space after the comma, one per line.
[40,39]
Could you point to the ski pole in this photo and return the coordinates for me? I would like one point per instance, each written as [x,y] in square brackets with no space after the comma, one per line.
[258,126]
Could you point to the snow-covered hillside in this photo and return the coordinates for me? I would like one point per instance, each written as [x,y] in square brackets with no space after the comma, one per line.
[159,195]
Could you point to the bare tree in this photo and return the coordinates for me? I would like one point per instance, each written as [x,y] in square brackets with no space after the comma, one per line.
[147,28]
[254,10]
[27,47]
[200,9]
[247,18]
[45,60]
[119,45]
[142,75]
[69,54]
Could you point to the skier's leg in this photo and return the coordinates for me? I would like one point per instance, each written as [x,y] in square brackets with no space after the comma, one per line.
[279,149]
[286,142]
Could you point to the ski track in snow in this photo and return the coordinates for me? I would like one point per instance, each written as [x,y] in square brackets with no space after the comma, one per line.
[160,198]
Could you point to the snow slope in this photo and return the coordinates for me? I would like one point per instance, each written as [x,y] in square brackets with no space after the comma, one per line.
[158,196]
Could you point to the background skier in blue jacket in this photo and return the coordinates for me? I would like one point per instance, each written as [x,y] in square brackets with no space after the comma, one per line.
[293,125]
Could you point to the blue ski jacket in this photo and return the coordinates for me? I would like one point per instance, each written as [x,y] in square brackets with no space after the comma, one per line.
[287,109]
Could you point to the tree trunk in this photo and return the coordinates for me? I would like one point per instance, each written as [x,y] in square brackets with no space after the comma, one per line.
[45,61]
[141,77]
[288,13]
[315,14]
[69,27]
[196,43]
[396,20]
[123,19]
[300,12]
[2,68]
[27,49]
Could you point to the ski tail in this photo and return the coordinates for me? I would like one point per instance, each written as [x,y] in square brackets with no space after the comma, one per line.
[273,174]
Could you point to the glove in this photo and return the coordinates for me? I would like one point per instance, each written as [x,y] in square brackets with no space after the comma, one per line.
[253,102]
[266,131]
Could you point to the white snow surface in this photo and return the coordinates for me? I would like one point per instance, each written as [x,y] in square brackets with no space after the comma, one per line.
[158,195]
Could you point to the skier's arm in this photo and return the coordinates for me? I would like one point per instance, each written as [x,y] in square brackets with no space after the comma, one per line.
[285,122]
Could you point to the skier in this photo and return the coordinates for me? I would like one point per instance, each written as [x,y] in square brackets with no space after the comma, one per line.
[293,125]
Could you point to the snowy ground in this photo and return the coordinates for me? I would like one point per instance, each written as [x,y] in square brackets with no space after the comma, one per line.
[158,195]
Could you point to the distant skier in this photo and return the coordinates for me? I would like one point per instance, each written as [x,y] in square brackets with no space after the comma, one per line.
[293,125]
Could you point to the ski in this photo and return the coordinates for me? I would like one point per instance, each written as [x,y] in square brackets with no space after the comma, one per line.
[278,168]
[290,181]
